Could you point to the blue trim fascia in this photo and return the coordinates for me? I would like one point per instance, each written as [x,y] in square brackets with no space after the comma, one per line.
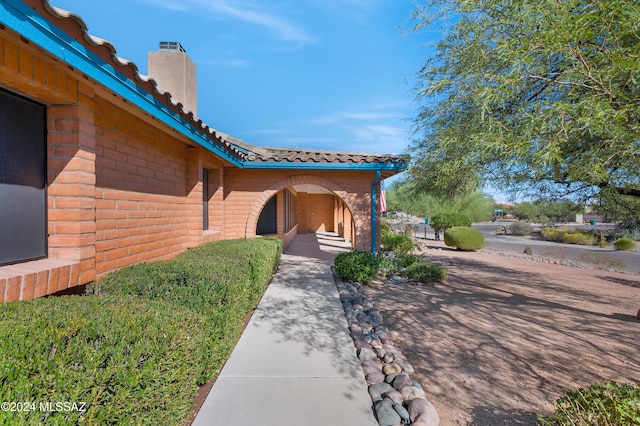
[374,213]
[273,165]
[25,21]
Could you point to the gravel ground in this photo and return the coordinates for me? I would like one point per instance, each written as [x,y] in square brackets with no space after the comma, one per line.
[505,337]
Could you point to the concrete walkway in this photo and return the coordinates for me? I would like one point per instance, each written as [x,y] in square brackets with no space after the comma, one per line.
[295,363]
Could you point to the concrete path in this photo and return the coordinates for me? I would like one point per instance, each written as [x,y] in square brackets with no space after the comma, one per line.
[295,363]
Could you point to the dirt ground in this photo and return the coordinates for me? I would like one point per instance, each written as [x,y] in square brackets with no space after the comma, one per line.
[503,338]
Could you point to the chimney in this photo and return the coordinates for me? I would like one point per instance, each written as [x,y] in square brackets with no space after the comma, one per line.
[175,73]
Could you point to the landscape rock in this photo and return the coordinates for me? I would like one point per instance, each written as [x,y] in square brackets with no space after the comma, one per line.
[391,369]
[379,388]
[386,414]
[401,381]
[421,410]
[410,393]
[395,396]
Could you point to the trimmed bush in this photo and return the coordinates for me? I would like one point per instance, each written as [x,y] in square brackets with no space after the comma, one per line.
[223,280]
[611,404]
[427,272]
[464,238]
[132,361]
[624,244]
[142,340]
[520,228]
[361,266]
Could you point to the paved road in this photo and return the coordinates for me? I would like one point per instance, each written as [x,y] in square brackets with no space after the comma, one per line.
[628,261]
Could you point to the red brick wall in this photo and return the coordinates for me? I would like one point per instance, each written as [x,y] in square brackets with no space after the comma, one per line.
[247,191]
[123,188]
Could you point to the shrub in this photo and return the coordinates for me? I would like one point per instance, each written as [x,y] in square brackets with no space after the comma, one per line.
[551,234]
[464,238]
[223,280]
[585,239]
[611,404]
[357,265]
[427,272]
[132,361]
[444,221]
[520,228]
[216,275]
[528,250]
[409,260]
[388,264]
[399,244]
[624,244]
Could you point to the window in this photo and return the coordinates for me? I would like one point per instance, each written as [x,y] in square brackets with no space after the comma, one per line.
[289,210]
[205,199]
[23,198]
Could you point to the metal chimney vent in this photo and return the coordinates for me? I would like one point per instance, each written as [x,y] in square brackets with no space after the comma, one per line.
[173,46]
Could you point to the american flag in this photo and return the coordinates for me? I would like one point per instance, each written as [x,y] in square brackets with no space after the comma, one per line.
[383,198]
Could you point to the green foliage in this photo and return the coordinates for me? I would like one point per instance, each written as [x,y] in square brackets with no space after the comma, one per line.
[568,236]
[388,264]
[427,272]
[411,199]
[515,97]
[399,244]
[527,211]
[464,238]
[520,228]
[137,346]
[132,361]
[446,220]
[551,234]
[585,239]
[357,265]
[409,260]
[528,250]
[607,404]
[629,228]
[624,244]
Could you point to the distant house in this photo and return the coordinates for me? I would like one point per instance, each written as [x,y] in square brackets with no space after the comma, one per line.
[100,169]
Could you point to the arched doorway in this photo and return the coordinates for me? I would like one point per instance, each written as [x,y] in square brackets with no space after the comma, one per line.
[302,208]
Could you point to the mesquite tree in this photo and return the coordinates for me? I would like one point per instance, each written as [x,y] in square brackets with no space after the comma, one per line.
[539,95]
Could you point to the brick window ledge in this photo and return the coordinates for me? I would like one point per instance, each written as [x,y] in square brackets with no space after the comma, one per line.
[209,236]
[37,278]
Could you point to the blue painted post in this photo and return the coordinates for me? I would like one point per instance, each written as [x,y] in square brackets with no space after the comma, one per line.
[374,213]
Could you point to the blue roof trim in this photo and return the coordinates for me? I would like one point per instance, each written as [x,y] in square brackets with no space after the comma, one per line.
[323,166]
[19,17]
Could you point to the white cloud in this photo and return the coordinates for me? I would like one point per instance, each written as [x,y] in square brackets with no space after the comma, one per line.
[252,12]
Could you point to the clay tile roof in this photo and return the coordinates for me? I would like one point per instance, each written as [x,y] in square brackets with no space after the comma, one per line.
[301,155]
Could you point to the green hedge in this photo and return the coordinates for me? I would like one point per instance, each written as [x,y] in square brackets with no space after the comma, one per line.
[138,345]
[464,238]
[131,361]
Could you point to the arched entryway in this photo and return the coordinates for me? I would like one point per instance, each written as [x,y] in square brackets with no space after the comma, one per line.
[302,207]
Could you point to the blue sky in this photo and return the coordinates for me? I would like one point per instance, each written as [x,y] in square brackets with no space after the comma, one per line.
[318,74]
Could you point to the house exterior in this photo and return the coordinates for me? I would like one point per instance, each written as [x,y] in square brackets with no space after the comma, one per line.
[99,169]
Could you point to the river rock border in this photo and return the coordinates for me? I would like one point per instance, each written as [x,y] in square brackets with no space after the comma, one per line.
[396,399]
